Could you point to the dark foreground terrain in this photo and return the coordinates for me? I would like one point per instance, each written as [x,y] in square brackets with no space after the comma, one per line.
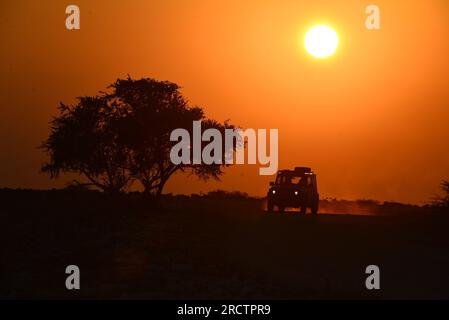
[195,248]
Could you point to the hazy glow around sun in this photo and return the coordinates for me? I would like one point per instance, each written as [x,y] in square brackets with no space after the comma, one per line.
[321,41]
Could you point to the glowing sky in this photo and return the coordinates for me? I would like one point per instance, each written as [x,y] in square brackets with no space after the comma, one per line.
[372,120]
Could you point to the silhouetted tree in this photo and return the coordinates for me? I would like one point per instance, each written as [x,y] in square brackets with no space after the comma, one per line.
[155,109]
[124,134]
[443,200]
[82,140]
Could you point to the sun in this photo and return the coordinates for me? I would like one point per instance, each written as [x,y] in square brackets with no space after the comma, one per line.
[321,41]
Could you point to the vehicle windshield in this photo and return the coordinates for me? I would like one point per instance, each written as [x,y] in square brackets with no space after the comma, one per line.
[289,180]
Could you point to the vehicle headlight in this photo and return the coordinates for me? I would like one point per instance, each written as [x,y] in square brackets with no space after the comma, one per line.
[296,193]
[274,191]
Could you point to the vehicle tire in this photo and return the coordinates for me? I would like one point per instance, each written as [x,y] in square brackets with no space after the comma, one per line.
[315,207]
[270,206]
[281,209]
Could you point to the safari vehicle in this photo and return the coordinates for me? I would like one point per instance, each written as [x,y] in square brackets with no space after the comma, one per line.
[294,189]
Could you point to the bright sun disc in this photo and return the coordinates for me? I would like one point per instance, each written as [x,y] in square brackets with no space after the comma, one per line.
[321,41]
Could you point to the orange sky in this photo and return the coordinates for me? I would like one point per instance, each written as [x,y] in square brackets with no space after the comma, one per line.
[371,120]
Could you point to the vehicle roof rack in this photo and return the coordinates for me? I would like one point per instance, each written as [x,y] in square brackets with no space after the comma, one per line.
[302,170]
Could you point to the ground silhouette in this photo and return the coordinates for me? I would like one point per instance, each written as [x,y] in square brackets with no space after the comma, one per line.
[216,246]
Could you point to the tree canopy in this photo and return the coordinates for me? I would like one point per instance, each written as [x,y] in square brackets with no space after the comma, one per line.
[442,201]
[123,135]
